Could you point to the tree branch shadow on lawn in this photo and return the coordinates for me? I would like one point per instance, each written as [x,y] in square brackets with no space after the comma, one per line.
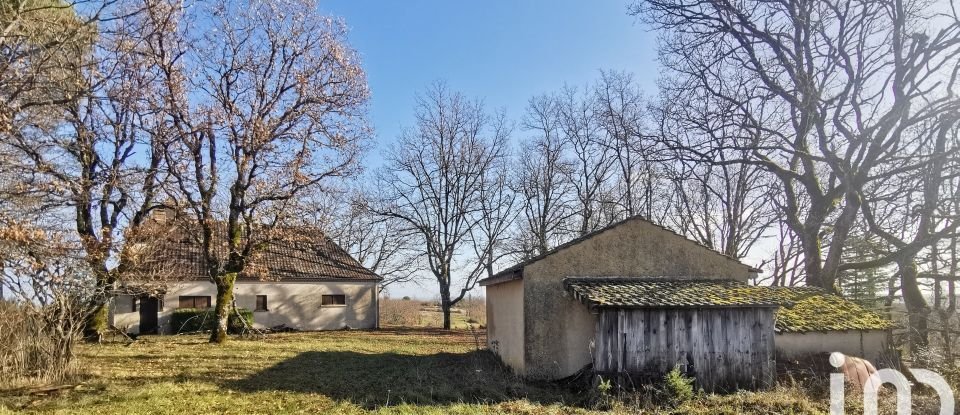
[386,379]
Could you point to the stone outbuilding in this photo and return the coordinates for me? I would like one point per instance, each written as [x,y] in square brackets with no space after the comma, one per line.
[637,298]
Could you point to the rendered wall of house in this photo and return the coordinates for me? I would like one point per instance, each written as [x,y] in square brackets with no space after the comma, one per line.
[558,330]
[505,322]
[294,304]
[122,315]
[869,344]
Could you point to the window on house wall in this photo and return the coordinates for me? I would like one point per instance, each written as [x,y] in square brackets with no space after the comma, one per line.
[194,301]
[261,303]
[333,300]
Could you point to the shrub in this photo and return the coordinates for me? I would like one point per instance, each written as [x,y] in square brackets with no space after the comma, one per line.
[187,320]
[399,313]
[36,343]
[604,397]
[677,387]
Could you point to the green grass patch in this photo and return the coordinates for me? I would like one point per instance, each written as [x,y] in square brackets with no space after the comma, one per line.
[392,371]
[386,371]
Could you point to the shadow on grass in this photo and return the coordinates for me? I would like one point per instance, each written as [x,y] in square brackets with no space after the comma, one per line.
[374,380]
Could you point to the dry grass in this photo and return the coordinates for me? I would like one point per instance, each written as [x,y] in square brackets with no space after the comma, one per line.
[422,371]
[386,371]
[413,313]
[403,313]
[475,310]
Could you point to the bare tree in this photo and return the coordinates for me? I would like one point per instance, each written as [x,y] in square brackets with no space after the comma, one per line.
[943,271]
[724,207]
[541,180]
[821,93]
[43,44]
[97,155]
[435,180]
[497,212]
[623,113]
[591,165]
[268,102]
[911,211]
[379,243]
[785,262]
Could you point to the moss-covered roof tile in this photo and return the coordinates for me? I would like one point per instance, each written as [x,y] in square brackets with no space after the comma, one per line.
[800,309]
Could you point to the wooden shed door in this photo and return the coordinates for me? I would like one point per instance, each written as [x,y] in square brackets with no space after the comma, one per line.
[149,308]
[723,348]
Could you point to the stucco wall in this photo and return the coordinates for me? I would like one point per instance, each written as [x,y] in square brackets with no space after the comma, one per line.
[122,314]
[505,323]
[559,330]
[870,345]
[294,304]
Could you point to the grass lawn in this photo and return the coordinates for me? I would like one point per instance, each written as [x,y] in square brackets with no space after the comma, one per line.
[423,371]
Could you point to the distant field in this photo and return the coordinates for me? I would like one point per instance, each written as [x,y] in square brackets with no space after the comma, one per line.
[415,313]
[415,371]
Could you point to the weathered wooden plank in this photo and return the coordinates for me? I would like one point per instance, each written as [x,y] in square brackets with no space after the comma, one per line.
[723,348]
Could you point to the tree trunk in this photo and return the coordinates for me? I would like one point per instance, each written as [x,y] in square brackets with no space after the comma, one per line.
[97,322]
[812,255]
[223,307]
[446,316]
[445,305]
[918,311]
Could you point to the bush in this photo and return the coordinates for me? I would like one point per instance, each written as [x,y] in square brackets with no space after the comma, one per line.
[677,387]
[399,313]
[604,399]
[36,343]
[187,320]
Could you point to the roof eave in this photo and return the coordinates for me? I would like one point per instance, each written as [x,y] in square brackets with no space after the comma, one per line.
[502,277]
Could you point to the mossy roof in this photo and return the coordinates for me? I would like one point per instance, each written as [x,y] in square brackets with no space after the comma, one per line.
[799,309]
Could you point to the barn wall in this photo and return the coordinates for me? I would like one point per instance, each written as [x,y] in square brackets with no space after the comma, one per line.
[559,330]
[505,322]
[723,348]
[868,344]
[294,304]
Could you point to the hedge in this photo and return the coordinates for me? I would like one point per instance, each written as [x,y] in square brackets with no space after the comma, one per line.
[187,320]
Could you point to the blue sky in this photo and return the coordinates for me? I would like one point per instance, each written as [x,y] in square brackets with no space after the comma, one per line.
[503,52]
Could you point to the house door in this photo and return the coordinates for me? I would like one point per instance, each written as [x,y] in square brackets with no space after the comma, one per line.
[149,307]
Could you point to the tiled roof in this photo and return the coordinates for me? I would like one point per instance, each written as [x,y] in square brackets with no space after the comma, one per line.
[515,272]
[292,254]
[657,293]
[815,310]
[801,309]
